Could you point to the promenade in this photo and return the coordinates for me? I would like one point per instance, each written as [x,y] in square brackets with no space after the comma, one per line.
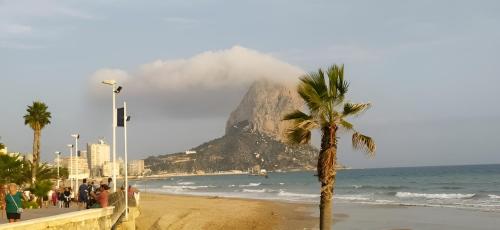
[29,214]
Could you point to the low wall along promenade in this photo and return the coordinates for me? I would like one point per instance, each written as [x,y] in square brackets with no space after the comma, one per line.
[86,219]
[101,218]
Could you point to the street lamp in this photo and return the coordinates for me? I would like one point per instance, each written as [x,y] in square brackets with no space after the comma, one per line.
[70,146]
[77,163]
[58,160]
[114,91]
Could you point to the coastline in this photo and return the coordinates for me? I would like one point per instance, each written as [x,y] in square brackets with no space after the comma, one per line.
[166,211]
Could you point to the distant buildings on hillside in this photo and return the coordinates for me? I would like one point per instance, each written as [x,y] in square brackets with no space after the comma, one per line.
[93,162]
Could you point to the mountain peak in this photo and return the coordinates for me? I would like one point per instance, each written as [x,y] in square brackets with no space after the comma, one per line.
[263,107]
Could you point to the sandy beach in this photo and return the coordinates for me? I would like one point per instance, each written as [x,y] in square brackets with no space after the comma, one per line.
[160,211]
[193,212]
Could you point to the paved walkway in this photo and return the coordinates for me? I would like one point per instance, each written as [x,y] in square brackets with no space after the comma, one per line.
[41,212]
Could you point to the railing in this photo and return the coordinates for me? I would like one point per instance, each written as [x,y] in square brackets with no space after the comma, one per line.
[117,199]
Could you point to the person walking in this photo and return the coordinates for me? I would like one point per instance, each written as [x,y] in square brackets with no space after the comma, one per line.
[83,196]
[54,197]
[67,197]
[60,197]
[13,207]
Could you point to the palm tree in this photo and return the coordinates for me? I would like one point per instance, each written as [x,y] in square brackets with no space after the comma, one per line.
[324,96]
[37,117]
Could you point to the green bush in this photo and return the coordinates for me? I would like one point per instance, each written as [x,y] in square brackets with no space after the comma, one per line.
[30,204]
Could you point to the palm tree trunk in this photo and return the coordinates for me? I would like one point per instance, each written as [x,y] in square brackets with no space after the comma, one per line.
[36,154]
[326,174]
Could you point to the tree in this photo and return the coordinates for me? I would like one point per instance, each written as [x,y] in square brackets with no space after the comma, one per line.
[324,96]
[37,117]
[12,169]
[41,188]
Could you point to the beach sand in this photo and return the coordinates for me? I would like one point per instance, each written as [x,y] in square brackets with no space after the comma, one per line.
[194,212]
[160,211]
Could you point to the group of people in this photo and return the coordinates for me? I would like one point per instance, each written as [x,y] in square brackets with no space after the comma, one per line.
[90,195]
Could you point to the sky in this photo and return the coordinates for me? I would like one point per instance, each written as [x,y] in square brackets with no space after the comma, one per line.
[429,68]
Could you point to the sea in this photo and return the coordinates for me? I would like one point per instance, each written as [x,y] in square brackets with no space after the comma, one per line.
[474,187]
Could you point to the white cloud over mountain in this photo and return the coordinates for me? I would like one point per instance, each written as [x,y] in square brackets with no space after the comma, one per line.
[208,84]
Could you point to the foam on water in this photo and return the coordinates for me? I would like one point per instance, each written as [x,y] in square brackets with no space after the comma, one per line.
[185,183]
[434,195]
[249,185]
[255,190]
[494,196]
[291,194]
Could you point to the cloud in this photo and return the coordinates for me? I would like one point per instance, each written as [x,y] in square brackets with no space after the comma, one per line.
[209,84]
[15,29]
[180,20]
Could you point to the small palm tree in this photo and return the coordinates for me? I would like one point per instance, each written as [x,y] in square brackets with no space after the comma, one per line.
[325,99]
[37,117]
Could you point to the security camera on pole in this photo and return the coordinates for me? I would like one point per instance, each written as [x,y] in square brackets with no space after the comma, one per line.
[115,91]
[122,122]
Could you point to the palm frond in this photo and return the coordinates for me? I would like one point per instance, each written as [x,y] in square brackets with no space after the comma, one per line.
[313,90]
[346,125]
[298,135]
[37,115]
[351,109]
[365,143]
[296,115]
[337,85]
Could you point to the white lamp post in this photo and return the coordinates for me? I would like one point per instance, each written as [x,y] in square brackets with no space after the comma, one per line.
[70,146]
[77,163]
[58,160]
[115,90]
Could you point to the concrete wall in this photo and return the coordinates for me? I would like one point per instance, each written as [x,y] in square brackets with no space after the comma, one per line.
[81,220]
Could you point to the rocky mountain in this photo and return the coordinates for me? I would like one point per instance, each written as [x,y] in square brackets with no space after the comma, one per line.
[254,138]
[263,106]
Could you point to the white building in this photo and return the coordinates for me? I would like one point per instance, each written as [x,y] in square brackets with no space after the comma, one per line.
[107,169]
[136,167]
[77,167]
[97,155]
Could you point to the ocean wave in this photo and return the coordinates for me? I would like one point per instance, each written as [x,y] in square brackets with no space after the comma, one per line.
[291,194]
[186,183]
[384,187]
[494,196]
[434,195]
[249,185]
[255,190]
[183,187]
[352,197]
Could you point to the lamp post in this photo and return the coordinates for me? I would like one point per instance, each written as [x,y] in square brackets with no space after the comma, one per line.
[58,160]
[77,163]
[114,91]
[70,146]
